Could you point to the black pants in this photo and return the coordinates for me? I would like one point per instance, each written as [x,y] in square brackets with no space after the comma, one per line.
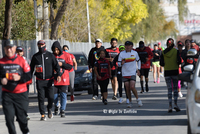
[103,85]
[45,89]
[144,72]
[15,104]
[94,83]
[119,79]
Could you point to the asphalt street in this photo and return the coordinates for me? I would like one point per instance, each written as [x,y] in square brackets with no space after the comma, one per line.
[87,116]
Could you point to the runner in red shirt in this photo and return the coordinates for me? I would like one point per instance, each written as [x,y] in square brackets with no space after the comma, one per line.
[112,52]
[14,74]
[72,62]
[145,55]
[102,70]
[61,87]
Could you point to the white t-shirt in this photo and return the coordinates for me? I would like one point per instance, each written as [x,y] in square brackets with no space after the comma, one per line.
[129,67]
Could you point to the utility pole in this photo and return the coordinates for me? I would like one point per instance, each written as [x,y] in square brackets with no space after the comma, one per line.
[36,17]
[46,20]
[88,20]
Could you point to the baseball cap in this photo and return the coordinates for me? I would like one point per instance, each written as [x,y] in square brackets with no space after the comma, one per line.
[121,48]
[141,44]
[128,43]
[41,42]
[159,43]
[8,43]
[180,45]
[98,40]
[192,41]
[19,48]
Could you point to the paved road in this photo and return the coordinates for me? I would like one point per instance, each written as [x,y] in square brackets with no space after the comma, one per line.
[87,116]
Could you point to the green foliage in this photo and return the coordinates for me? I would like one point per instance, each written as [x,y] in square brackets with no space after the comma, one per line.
[108,18]
[182,9]
[23,21]
[154,27]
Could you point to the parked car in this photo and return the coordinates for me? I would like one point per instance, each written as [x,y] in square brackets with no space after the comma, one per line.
[191,74]
[83,77]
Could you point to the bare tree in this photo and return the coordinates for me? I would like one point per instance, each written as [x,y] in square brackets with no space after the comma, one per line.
[8,19]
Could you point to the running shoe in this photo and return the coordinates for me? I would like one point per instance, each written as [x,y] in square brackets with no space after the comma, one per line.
[56,110]
[139,102]
[114,97]
[94,97]
[158,81]
[127,101]
[120,100]
[103,99]
[62,113]
[43,118]
[129,105]
[177,108]
[72,97]
[105,102]
[170,110]
[50,114]
[180,94]
[27,117]
[161,74]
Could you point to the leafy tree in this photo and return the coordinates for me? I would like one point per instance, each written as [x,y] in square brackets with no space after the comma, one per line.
[108,18]
[154,27]
[23,26]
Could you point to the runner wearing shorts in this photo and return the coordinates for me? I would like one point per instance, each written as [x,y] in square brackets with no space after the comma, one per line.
[156,63]
[145,55]
[111,53]
[128,60]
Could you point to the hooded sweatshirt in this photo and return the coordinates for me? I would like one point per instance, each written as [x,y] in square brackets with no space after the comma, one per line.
[63,57]
[171,60]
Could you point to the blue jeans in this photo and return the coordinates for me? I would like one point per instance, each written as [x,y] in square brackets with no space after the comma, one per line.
[63,99]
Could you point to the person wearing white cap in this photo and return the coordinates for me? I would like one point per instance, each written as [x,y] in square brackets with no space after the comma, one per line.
[92,58]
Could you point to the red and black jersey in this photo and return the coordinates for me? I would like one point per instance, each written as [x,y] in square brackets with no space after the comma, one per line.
[102,68]
[144,54]
[112,54]
[64,57]
[15,65]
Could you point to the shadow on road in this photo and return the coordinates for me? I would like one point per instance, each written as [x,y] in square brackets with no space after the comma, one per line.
[161,122]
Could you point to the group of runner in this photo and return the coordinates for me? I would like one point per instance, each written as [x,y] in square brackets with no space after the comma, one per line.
[119,65]
[54,73]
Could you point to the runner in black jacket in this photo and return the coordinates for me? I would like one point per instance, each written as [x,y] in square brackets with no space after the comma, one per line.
[92,58]
[44,64]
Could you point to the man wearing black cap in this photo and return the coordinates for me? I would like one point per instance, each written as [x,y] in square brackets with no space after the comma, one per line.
[145,55]
[14,74]
[128,59]
[44,63]
[92,58]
